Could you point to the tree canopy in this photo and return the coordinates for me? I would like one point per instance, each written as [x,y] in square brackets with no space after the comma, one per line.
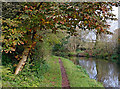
[32,17]
[22,23]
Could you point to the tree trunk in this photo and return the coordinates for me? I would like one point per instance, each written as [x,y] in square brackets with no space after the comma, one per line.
[96,40]
[23,60]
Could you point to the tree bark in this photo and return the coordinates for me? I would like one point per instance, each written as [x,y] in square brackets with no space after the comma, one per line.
[23,60]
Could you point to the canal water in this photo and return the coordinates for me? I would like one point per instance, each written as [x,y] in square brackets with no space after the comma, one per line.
[103,71]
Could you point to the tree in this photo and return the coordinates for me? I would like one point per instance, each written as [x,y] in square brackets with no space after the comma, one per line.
[118,51]
[23,29]
[33,17]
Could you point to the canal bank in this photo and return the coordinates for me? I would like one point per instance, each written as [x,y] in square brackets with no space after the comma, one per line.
[77,76]
[101,70]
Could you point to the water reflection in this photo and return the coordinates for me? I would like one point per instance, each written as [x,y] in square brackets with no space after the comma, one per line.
[91,66]
[103,71]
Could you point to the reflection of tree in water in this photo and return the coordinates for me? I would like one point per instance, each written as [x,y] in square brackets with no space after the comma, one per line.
[90,66]
[118,75]
[107,73]
[102,71]
[119,80]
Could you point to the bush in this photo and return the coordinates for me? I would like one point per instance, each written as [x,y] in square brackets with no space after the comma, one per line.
[5,59]
[30,76]
[87,54]
[82,69]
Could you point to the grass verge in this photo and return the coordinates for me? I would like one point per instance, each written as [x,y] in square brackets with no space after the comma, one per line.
[53,77]
[50,78]
[77,76]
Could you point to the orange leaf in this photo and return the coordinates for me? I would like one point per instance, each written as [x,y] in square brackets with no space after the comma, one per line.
[22,43]
[30,30]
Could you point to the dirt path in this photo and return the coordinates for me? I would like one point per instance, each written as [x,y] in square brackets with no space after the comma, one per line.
[65,81]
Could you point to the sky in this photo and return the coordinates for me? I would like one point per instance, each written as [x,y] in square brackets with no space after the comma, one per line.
[114,24]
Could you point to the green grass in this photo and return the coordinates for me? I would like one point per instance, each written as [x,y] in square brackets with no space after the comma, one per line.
[79,51]
[77,76]
[72,53]
[50,78]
